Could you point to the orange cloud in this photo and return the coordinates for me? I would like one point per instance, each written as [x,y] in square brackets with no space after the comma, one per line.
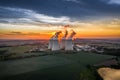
[93,29]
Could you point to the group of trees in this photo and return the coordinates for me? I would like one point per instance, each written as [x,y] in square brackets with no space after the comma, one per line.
[112,51]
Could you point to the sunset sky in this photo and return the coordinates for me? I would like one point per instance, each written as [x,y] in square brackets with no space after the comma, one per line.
[40,19]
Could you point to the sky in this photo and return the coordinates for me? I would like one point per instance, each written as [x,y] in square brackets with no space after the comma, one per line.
[40,19]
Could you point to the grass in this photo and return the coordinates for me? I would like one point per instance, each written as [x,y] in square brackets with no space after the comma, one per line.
[62,72]
[86,58]
[30,64]
[15,52]
[18,49]
[50,67]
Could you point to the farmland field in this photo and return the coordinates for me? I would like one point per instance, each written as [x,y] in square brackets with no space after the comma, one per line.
[50,67]
[18,49]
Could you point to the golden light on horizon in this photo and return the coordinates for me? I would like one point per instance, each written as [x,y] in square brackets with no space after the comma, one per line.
[92,29]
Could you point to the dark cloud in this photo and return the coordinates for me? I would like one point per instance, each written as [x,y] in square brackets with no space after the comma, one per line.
[73,8]
[20,33]
[102,6]
[15,33]
[20,15]
[7,12]
[112,2]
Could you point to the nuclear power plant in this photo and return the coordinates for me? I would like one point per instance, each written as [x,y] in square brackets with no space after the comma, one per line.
[65,43]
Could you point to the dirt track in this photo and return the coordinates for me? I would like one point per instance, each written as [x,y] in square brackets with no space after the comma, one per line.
[109,73]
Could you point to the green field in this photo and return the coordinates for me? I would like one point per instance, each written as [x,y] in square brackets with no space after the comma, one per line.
[15,52]
[50,67]
[18,49]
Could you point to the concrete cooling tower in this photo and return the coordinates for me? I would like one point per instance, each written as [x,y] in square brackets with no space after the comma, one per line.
[55,44]
[50,44]
[65,43]
[62,43]
[68,44]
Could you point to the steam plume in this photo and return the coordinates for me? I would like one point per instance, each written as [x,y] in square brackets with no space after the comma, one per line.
[71,34]
[57,34]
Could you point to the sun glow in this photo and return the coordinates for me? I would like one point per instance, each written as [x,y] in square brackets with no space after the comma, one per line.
[92,29]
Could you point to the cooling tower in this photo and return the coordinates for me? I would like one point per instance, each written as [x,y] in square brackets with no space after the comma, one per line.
[62,43]
[50,44]
[55,44]
[68,41]
[68,44]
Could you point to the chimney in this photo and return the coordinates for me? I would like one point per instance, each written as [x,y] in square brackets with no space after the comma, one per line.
[69,42]
[62,42]
[50,43]
[54,43]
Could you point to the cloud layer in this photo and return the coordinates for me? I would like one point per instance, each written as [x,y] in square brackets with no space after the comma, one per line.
[77,9]
[86,17]
[19,15]
[114,2]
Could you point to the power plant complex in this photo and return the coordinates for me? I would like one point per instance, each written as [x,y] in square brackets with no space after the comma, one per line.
[65,43]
